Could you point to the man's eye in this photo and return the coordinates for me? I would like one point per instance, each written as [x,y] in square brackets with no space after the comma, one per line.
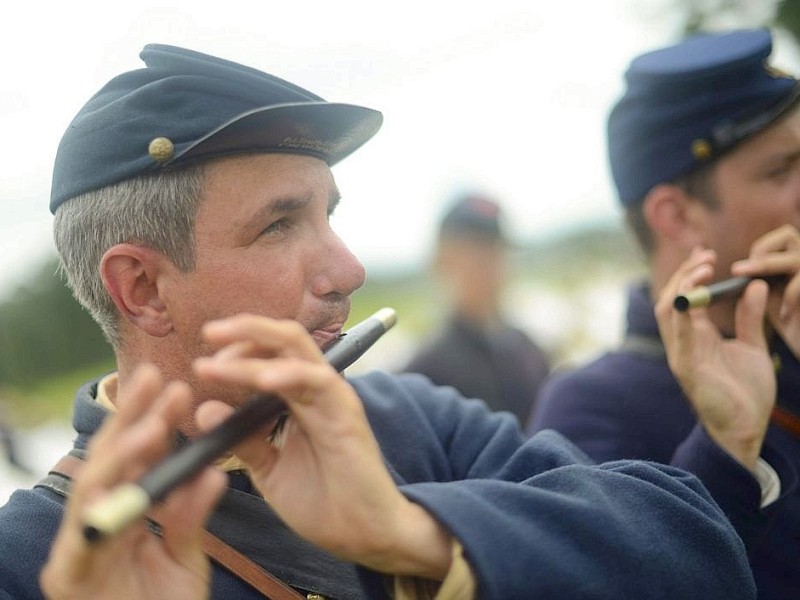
[276,227]
[778,172]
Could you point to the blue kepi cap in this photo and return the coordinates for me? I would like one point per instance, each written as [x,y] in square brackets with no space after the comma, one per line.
[187,106]
[686,105]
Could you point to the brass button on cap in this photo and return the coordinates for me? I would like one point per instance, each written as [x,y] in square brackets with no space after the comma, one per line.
[161,149]
[701,149]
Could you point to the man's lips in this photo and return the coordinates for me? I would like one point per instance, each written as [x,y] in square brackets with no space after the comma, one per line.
[324,336]
[328,324]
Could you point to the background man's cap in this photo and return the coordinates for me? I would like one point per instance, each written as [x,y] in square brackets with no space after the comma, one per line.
[473,215]
[186,106]
[684,106]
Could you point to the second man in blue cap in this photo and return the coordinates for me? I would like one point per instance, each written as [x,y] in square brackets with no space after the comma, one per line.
[704,148]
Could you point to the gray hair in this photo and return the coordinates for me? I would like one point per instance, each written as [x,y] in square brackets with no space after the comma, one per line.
[157,211]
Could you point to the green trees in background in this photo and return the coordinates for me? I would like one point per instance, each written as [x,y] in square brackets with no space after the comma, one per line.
[45,332]
[789,17]
[697,15]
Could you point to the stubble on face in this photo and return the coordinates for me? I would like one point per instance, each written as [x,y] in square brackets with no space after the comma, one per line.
[263,241]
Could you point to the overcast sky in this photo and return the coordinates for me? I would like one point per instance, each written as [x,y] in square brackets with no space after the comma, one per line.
[509,97]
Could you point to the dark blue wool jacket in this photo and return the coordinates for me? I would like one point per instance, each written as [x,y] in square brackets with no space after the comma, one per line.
[536,518]
[627,404]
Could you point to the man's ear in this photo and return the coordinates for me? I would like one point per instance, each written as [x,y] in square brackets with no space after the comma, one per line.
[674,215]
[130,273]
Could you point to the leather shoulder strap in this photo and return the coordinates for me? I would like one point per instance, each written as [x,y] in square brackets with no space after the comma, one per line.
[247,570]
[58,480]
[786,419]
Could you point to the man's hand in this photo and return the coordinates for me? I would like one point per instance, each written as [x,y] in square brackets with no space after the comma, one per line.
[136,564]
[729,382]
[325,476]
[778,253]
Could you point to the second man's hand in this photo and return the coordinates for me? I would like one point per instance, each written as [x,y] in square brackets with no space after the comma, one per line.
[730,382]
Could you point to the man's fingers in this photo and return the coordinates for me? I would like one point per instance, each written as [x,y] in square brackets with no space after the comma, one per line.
[280,337]
[145,437]
[144,386]
[211,413]
[782,239]
[698,268]
[255,450]
[285,376]
[186,511]
[750,311]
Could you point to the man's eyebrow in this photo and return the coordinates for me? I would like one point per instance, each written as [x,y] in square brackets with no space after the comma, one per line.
[781,158]
[279,206]
[288,204]
[792,156]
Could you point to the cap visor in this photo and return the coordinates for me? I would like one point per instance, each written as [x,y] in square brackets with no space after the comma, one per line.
[326,130]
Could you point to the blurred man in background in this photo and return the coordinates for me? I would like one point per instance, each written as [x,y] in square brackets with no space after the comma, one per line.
[705,152]
[477,350]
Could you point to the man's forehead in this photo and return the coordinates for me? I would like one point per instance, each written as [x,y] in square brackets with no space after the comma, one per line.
[281,167]
[270,177]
